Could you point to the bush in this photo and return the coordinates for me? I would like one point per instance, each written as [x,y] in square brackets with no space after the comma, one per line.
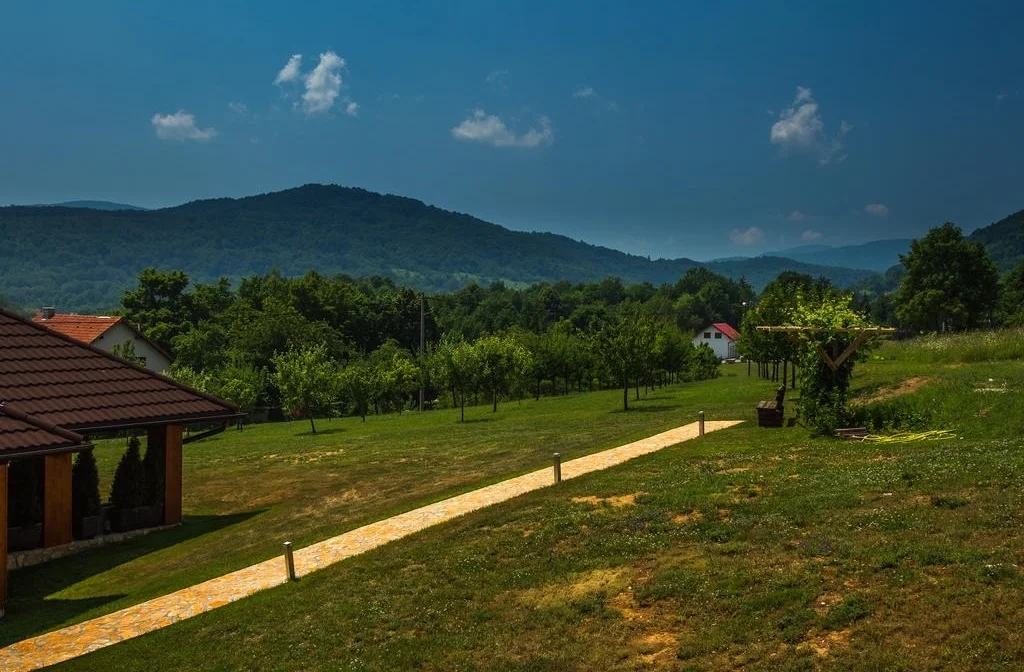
[703,364]
[26,507]
[893,414]
[129,488]
[154,466]
[85,486]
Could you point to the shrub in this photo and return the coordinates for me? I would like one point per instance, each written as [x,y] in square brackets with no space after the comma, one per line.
[703,364]
[85,486]
[153,468]
[129,488]
[894,414]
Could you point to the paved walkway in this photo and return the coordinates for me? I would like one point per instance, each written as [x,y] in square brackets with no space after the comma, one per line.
[77,640]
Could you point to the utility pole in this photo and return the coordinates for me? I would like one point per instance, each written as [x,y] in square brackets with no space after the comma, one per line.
[423,330]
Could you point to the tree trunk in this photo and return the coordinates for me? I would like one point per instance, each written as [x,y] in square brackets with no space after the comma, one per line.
[638,389]
[785,371]
[538,390]
[748,368]
[494,409]
[625,394]
[311,424]
[462,407]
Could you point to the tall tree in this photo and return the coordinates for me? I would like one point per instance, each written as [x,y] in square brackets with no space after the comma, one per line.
[951,284]
[160,305]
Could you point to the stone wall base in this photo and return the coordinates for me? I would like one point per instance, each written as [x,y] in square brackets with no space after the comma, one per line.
[38,556]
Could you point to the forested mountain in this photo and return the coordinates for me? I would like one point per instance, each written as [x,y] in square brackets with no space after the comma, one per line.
[878,255]
[1004,240]
[97,205]
[83,259]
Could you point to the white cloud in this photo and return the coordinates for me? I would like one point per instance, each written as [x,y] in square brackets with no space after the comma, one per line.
[290,71]
[180,126]
[491,130]
[800,128]
[589,93]
[877,209]
[810,235]
[352,109]
[751,236]
[796,216]
[1001,96]
[323,83]
[238,108]
[497,79]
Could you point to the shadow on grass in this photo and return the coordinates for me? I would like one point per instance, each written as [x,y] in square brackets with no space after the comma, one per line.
[29,613]
[473,421]
[641,407]
[322,432]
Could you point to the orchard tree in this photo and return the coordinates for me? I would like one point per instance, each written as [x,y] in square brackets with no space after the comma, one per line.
[625,346]
[455,365]
[357,384]
[950,284]
[504,364]
[307,381]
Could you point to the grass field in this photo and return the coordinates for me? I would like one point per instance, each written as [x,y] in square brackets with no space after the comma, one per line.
[764,549]
[246,492]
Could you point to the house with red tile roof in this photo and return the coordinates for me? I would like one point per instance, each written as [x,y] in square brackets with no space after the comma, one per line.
[56,391]
[721,337]
[107,332]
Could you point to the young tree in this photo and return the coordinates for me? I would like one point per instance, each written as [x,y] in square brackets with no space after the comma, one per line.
[307,380]
[160,305]
[625,347]
[357,383]
[503,364]
[1012,297]
[242,385]
[951,284]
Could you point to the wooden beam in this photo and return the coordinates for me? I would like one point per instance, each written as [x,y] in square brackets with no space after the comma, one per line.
[3,538]
[828,360]
[851,348]
[172,473]
[56,499]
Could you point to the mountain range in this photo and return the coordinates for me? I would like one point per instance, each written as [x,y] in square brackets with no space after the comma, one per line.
[83,258]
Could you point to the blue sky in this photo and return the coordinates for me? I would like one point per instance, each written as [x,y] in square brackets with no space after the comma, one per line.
[666,129]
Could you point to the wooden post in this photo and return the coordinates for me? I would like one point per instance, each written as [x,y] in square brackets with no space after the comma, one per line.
[3,538]
[56,500]
[169,438]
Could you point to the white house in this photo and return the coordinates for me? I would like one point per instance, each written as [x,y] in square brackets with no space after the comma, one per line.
[721,338]
[105,332]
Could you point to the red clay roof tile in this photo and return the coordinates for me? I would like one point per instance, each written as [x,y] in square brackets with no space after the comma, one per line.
[85,328]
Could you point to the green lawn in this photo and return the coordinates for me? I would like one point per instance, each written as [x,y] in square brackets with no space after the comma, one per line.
[246,492]
[754,548]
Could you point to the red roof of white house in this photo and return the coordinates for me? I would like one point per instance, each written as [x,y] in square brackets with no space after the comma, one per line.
[85,328]
[727,329]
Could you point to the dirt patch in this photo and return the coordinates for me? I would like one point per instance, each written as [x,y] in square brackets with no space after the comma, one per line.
[908,386]
[739,494]
[616,502]
[734,470]
[657,647]
[684,518]
[582,585]
[823,645]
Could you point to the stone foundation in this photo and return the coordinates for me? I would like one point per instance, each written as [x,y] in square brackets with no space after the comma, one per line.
[40,555]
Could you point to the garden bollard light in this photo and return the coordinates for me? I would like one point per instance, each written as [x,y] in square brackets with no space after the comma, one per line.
[289,561]
[700,427]
[558,467]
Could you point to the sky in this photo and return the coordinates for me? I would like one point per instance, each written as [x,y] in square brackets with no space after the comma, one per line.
[666,129]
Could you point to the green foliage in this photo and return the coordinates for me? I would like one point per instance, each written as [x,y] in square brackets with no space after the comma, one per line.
[951,284]
[504,363]
[1012,297]
[455,365]
[85,485]
[197,380]
[1003,240]
[357,383]
[128,490]
[242,385]
[824,393]
[397,377]
[703,364]
[899,414]
[626,346]
[154,469]
[126,351]
[307,380]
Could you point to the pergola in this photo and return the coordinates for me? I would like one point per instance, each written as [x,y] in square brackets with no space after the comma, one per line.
[861,336]
[55,391]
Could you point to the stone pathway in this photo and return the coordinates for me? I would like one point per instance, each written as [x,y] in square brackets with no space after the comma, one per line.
[76,640]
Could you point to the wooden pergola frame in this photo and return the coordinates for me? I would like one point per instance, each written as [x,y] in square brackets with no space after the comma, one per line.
[863,335]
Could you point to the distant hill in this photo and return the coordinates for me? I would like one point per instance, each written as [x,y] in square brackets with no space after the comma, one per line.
[96,205]
[1003,240]
[83,259]
[878,255]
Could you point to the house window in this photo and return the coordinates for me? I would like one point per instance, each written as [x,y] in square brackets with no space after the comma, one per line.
[707,334]
[718,334]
